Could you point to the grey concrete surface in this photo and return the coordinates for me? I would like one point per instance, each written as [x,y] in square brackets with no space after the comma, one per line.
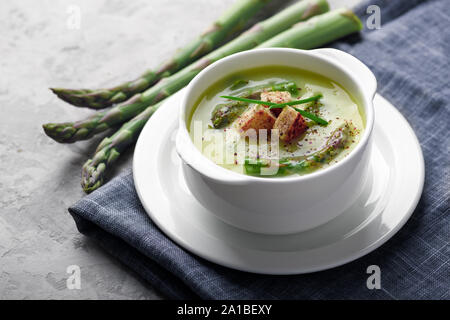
[40,179]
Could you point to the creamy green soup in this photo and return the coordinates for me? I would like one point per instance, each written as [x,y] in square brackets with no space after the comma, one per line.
[217,129]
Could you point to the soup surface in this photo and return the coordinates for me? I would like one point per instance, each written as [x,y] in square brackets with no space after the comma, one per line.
[263,140]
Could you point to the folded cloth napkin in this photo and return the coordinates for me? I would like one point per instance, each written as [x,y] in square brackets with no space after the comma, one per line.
[409,56]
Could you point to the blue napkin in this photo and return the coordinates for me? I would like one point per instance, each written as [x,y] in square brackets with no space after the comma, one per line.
[410,58]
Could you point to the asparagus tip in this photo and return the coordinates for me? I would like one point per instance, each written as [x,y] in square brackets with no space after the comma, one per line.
[61,92]
[92,175]
[48,129]
[88,189]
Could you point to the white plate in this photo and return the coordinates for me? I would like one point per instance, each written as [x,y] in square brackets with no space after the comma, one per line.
[387,201]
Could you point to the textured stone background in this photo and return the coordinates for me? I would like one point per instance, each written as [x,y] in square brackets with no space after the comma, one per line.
[40,179]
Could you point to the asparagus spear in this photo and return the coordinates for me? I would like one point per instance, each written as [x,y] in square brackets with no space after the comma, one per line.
[333,146]
[230,22]
[93,171]
[67,132]
[317,31]
[225,113]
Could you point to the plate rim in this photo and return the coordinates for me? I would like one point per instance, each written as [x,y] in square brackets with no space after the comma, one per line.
[288,270]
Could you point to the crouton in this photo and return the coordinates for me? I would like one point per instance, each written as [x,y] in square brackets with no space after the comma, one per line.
[290,124]
[256,117]
[276,97]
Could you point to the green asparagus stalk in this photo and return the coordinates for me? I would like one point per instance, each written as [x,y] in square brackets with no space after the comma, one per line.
[68,132]
[230,22]
[317,31]
[94,170]
[225,113]
[335,144]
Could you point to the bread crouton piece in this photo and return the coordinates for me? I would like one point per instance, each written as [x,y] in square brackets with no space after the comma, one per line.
[256,117]
[276,97]
[290,124]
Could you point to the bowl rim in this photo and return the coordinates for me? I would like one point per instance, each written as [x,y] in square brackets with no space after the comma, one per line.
[237,178]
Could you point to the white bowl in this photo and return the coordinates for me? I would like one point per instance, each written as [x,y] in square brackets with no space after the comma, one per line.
[287,204]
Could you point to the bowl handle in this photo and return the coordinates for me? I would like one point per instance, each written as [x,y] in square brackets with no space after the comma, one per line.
[367,78]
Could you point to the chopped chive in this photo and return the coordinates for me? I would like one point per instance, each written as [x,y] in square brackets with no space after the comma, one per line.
[293,103]
[282,105]
[311,116]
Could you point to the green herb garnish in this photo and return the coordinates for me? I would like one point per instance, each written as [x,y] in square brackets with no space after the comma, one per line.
[282,105]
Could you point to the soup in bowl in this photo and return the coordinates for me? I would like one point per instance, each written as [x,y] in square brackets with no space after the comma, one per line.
[237,123]
[277,140]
